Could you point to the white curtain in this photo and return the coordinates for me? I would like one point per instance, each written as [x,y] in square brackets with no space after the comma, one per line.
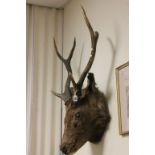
[44,73]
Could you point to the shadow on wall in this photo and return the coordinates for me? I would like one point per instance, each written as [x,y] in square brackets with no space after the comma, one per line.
[97,149]
[112,63]
[113,50]
[81,55]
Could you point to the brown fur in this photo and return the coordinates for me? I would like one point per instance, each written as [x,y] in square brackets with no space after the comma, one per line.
[92,122]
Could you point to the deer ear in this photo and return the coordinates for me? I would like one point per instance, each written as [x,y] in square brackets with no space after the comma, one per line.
[90,85]
[90,82]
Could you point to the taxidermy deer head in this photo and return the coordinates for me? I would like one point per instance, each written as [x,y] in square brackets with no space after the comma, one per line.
[87,114]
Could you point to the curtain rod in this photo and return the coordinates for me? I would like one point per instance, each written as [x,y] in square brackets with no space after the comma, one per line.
[61,8]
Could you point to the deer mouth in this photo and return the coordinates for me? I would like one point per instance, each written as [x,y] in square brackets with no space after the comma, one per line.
[69,149]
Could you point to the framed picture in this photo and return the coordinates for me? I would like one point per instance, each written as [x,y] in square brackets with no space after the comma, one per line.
[122,84]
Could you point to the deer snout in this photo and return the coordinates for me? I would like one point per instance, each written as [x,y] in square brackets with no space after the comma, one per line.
[63,149]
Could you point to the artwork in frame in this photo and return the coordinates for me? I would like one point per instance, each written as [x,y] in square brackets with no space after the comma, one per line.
[122,84]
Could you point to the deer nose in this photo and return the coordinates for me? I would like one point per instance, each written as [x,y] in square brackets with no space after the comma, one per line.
[63,149]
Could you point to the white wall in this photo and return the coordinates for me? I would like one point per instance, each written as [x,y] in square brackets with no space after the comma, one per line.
[110,19]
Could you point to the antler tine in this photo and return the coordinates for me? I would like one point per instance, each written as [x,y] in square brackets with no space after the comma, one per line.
[57,94]
[72,50]
[68,60]
[94,38]
[89,27]
[57,52]
[64,96]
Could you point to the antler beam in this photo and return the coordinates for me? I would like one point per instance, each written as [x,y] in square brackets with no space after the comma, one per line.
[66,94]
[94,38]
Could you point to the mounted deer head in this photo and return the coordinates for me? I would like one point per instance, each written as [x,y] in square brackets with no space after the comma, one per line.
[87,114]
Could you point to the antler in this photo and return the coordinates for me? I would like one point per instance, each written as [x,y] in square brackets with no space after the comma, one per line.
[94,37]
[77,87]
[66,94]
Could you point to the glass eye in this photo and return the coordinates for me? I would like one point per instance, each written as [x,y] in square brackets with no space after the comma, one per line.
[77,115]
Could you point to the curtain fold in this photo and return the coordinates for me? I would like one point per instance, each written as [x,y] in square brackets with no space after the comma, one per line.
[44,73]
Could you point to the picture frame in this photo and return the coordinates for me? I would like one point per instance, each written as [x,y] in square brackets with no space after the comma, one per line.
[122,85]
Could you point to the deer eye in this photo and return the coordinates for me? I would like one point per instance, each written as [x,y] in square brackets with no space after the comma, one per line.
[77,115]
